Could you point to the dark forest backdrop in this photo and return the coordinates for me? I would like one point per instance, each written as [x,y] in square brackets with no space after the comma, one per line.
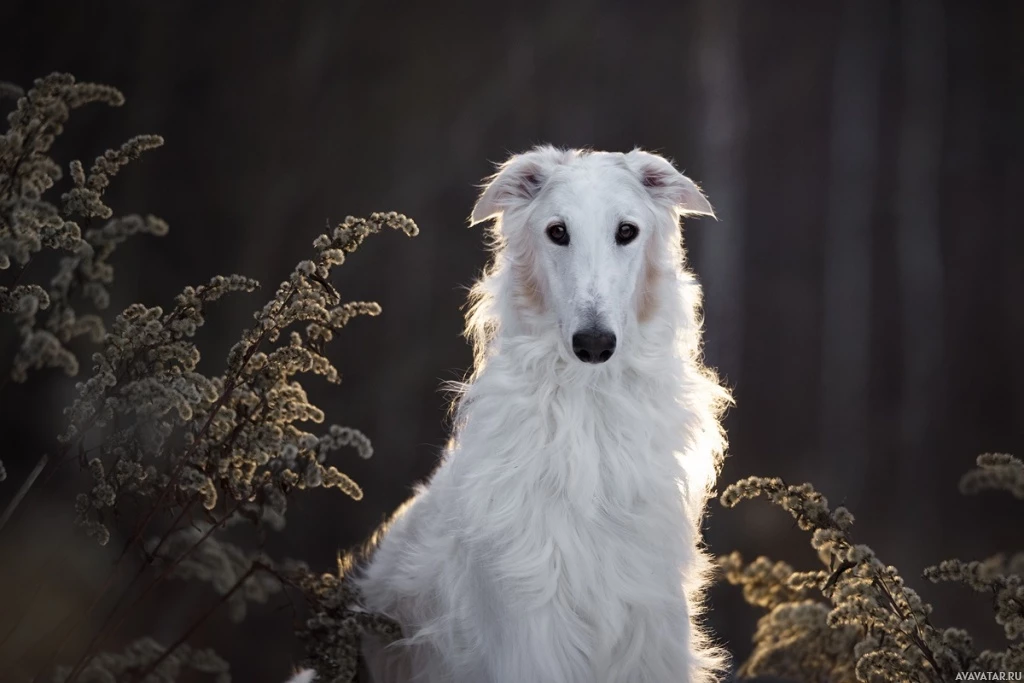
[865,280]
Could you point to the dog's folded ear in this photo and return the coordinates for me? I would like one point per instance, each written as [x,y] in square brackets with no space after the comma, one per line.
[517,182]
[666,184]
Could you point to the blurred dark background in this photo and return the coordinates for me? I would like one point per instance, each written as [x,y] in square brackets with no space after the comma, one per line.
[864,281]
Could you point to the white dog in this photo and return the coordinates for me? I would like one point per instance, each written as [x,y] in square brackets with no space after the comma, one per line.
[559,539]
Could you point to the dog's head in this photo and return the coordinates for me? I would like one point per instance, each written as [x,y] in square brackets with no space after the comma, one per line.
[587,237]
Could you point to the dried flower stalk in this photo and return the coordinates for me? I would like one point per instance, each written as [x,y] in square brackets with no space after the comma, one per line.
[873,627]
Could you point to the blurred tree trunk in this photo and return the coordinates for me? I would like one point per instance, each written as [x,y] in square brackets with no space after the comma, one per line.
[846,316]
[720,248]
[919,243]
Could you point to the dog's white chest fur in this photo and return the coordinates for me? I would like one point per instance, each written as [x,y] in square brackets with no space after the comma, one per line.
[557,527]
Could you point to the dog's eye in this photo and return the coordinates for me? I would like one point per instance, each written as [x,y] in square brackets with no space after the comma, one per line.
[626,233]
[558,234]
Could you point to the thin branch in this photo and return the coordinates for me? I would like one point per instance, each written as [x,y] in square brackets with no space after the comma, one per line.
[195,625]
[107,629]
[97,639]
[229,387]
[23,491]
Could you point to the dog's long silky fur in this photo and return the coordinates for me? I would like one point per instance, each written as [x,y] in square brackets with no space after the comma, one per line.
[558,541]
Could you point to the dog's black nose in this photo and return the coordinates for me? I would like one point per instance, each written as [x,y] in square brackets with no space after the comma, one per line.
[593,345]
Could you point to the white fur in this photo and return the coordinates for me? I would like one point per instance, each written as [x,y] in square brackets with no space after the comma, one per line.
[558,541]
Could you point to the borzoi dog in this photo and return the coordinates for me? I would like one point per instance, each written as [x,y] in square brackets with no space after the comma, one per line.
[558,541]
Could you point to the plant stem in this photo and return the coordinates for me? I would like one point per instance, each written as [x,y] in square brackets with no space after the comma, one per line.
[20,495]
[195,625]
[229,387]
[107,629]
[89,652]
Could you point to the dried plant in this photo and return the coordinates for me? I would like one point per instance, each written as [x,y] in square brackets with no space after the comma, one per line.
[871,627]
[158,439]
[141,654]
[29,222]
